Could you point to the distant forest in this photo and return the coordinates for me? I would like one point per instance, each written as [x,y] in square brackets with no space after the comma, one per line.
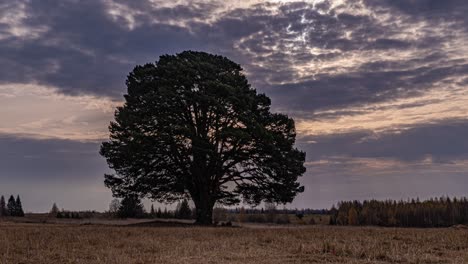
[435,212]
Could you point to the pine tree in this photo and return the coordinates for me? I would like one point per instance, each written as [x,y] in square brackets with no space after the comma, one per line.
[19,207]
[3,209]
[183,210]
[159,213]
[54,212]
[11,206]
[439,212]
[152,212]
[130,207]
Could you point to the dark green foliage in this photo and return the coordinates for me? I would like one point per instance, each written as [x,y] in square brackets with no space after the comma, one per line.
[68,215]
[183,210]
[159,213]
[166,214]
[13,209]
[441,212]
[3,208]
[131,207]
[192,126]
[19,207]
[76,214]
[152,212]
[333,215]
[11,205]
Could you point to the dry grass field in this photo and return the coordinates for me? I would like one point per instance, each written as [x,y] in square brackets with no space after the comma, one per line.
[71,243]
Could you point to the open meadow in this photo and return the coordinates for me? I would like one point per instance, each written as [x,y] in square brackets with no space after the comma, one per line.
[117,244]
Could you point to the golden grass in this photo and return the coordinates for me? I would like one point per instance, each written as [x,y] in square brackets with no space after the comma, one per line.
[55,243]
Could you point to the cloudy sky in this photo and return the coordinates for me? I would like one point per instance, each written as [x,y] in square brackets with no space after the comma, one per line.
[378,88]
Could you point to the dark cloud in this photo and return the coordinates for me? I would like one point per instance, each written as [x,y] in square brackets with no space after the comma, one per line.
[36,161]
[86,50]
[306,57]
[361,87]
[381,79]
[442,142]
[447,9]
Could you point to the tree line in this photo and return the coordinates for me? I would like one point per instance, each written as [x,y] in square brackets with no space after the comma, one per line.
[132,207]
[55,212]
[435,212]
[13,207]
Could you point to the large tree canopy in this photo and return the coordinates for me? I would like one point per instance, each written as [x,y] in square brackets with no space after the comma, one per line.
[192,126]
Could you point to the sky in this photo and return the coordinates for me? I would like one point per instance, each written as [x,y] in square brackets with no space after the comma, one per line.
[378,89]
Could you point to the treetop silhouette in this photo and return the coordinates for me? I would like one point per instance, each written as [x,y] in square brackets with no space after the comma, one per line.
[193,127]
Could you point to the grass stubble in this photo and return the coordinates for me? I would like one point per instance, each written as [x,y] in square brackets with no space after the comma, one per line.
[65,243]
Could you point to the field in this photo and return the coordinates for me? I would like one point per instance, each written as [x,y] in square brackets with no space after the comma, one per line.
[74,243]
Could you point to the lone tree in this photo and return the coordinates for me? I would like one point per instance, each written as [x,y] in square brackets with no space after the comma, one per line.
[192,126]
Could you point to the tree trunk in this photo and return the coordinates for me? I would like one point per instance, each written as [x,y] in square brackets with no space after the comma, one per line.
[204,212]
